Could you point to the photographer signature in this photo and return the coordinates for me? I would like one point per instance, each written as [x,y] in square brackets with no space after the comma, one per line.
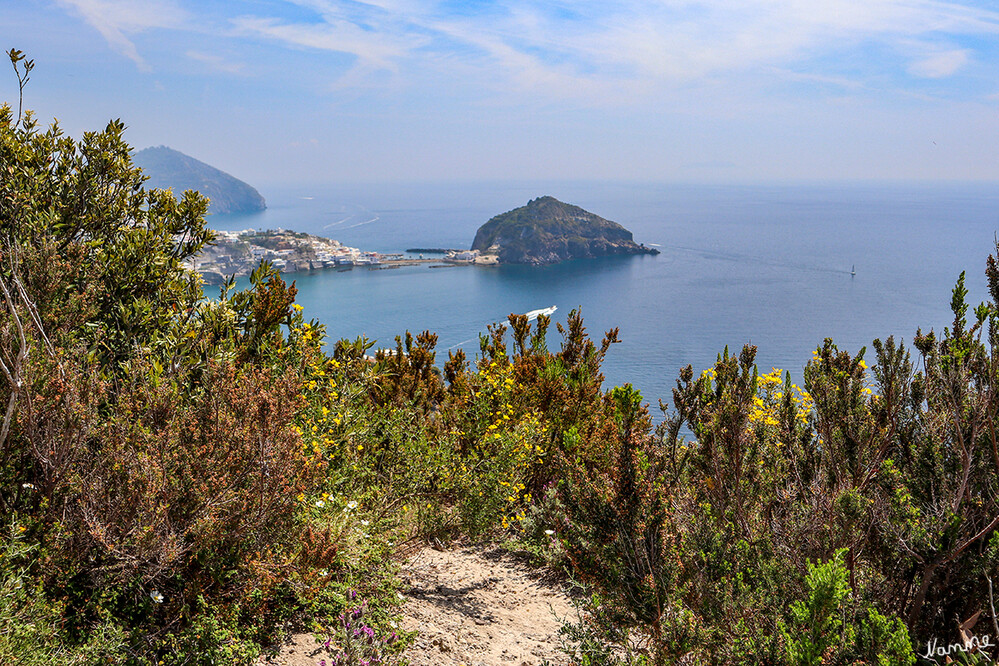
[933,649]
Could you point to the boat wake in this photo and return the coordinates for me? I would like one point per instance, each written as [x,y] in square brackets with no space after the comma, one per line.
[531,316]
[361,210]
[361,224]
[338,222]
[534,314]
[743,258]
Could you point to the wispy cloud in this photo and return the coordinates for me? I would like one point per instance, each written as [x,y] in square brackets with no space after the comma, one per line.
[379,38]
[598,48]
[115,20]
[586,49]
[217,63]
[939,65]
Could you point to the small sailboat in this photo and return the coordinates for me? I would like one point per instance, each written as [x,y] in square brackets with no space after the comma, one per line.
[853,271]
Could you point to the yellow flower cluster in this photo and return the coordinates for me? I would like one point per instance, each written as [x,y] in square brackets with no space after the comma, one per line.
[320,422]
[770,394]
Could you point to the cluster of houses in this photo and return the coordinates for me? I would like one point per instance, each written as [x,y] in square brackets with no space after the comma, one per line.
[239,252]
[461,256]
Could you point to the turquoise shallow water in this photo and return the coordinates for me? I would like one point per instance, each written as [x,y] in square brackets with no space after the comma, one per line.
[767,265]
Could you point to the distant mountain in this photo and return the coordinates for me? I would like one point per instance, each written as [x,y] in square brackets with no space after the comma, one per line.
[168,168]
[547,231]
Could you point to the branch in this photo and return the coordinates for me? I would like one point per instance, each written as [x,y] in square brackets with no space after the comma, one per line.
[13,372]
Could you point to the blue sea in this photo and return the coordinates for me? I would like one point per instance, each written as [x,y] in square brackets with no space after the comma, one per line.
[768,265]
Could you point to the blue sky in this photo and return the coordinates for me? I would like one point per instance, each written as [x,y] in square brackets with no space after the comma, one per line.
[390,90]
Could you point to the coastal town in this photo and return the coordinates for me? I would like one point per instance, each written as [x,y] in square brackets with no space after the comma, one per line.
[237,253]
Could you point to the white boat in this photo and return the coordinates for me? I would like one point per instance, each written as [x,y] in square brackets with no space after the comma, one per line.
[534,314]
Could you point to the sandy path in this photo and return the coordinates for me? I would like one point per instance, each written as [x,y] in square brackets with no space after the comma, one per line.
[472,606]
[480,607]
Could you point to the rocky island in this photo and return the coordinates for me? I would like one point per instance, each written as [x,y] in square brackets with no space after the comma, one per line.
[547,231]
[171,169]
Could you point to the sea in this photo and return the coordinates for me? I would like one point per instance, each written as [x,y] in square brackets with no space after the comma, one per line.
[779,266]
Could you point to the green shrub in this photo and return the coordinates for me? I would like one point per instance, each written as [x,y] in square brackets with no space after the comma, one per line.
[31,625]
[828,627]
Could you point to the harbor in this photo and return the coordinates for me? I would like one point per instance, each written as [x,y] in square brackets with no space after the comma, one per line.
[238,253]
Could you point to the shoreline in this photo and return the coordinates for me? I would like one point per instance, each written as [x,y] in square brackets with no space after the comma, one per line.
[214,278]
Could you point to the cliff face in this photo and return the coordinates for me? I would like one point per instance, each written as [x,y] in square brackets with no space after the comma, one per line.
[168,168]
[547,231]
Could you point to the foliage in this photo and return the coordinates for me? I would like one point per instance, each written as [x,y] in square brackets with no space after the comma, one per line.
[30,624]
[148,448]
[594,640]
[819,634]
[619,532]
[354,643]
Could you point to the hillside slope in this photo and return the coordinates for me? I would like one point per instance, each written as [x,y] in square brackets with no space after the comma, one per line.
[168,168]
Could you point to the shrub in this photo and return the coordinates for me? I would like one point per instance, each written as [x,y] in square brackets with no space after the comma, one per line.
[155,429]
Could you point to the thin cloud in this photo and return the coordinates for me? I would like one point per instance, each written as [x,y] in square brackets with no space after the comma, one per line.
[838,81]
[594,50]
[116,19]
[939,65]
[217,63]
[633,45]
[376,49]
[687,41]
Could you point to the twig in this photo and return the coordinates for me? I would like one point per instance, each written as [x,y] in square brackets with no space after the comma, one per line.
[992,606]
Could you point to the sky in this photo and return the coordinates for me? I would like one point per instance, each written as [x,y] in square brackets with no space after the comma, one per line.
[323,91]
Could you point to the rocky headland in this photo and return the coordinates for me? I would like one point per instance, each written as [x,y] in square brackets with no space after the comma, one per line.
[171,169]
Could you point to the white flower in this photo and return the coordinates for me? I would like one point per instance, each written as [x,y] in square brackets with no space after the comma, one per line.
[323,573]
[365,522]
[351,505]
[549,532]
[29,486]
[156,596]
[320,504]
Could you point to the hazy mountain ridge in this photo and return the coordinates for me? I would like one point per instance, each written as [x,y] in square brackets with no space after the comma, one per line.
[547,231]
[168,168]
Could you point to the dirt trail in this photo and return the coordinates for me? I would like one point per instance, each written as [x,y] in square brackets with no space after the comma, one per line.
[478,606]
[472,606]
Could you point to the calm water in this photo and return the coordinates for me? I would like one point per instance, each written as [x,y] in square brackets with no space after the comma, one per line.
[765,265]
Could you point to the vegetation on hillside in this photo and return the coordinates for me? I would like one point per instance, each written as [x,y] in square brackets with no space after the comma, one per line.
[184,478]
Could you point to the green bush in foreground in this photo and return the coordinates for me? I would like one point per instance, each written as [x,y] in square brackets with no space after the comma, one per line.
[151,459]
[824,627]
